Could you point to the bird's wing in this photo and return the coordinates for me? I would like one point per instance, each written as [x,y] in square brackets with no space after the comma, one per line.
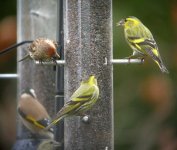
[147,46]
[83,93]
[141,39]
[39,123]
[25,57]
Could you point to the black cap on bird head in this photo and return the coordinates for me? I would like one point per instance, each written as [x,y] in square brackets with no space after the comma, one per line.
[29,91]
[130,18]
[121,22]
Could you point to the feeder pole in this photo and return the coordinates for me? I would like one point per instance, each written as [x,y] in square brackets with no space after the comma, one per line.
[87,42]
[59,98]
[35,19]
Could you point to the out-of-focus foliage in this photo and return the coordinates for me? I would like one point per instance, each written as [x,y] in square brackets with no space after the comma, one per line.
[7,65]
[144,98]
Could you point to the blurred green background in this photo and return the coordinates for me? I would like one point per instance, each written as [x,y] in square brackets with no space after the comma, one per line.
[145,108]
[145,99]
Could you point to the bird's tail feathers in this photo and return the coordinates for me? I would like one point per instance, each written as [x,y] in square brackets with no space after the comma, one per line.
[25,57]
[53,123]
[162,67]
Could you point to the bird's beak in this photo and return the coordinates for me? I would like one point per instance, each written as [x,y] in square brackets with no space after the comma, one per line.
[121,23]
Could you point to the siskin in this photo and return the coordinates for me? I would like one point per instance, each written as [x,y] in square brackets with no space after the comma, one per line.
[141,41]
[33,114]
[81,100]
[42,50]
[48,145]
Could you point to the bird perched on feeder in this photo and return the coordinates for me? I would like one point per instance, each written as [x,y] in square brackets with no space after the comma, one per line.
[141,41]
[80,101]
[48,145]
[33,114]
[43,50]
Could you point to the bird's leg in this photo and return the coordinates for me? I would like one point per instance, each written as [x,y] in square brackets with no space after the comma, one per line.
[54,60]
[41,62]
[130,57]
[136,55]
[142,59]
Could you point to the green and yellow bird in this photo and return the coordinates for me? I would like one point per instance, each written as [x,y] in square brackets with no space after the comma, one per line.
[81,100]
[141,41]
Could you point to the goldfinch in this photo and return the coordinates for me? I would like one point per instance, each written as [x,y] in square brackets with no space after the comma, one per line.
[33,114]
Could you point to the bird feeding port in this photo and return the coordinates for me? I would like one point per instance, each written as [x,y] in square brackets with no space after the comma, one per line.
[84,30]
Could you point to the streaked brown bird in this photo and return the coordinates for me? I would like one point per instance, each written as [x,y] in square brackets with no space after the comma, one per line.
[33,114]
[42,50]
